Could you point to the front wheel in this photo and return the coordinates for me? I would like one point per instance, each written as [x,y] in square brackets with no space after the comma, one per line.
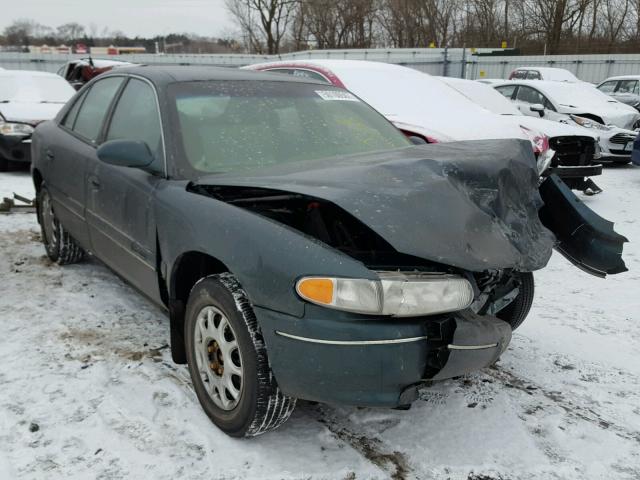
[228,360]
[515,313]
[59,245]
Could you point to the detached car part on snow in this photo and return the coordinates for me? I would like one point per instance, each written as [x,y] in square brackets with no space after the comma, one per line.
[302,246]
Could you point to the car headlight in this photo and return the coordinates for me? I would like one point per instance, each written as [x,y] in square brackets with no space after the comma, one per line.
[586,123]
[17,129]
[393,294]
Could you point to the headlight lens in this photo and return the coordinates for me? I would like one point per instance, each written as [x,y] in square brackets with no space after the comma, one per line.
[586,123]
[394,294]
[18,129]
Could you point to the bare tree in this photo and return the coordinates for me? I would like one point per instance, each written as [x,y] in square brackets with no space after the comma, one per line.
[263,23]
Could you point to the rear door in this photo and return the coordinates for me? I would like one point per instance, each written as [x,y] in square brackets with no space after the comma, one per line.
[120,201]
[71,150]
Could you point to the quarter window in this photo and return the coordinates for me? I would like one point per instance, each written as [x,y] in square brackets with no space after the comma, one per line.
[608,87]
[94,109]
[70,118]
[507,91]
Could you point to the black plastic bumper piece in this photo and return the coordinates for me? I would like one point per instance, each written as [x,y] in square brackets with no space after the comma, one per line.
[577,172]
[586,239]
[477,342]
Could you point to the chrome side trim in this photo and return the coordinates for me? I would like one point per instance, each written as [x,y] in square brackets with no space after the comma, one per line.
[471,347]
[352,342]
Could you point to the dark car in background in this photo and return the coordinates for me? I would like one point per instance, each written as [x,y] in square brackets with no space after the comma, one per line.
[26,99]
[302,246]
[80,71]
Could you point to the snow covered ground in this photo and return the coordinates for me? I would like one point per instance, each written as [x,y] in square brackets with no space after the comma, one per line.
[88,389]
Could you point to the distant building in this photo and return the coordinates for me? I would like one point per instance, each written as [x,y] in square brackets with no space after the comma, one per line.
[111,50]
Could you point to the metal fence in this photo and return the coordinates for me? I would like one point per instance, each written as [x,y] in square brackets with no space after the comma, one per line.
[454,62]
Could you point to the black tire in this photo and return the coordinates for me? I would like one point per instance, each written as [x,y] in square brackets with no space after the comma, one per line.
[515,313]
[261,406]
[61,248]
[4,164]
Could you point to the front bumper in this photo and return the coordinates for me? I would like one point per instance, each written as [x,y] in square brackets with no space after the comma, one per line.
[15,148]
[337,357]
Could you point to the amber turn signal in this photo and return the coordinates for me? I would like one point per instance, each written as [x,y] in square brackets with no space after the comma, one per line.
[317,290]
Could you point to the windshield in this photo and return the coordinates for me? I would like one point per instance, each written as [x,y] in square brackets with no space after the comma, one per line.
[241,125]
[34,89]
[485,96]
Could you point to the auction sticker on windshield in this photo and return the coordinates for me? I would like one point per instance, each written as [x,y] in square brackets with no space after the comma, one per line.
[336,95]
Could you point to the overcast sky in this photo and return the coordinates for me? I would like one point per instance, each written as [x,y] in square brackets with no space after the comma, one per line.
[134,17]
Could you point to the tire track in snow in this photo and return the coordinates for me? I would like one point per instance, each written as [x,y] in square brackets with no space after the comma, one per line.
[571,408]
[371,447]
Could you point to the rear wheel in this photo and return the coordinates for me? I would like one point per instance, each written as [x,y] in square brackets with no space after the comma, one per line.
[515,313]
[59,245]
[228,360]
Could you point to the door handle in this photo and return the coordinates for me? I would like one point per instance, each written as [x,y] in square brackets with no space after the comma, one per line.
[49,154]
[94,181]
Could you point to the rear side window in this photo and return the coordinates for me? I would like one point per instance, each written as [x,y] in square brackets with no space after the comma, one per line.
[507,90]
[136,116]
[608,87]
[70,118]
[94,108]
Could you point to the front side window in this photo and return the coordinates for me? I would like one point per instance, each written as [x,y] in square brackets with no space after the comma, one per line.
[233,126]
[136,116]
[533,75]
[628,86]
[530,95]
[608,87]
[94,108]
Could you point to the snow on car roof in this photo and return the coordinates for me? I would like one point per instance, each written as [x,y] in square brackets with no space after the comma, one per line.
[565,93]
[554,74]
[483,95]
[411,98]
[622,77]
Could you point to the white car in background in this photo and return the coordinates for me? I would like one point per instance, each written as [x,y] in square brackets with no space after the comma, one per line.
[624,88]
[576,148]
[418,104]
[580,104]
[543,73]
[26,99]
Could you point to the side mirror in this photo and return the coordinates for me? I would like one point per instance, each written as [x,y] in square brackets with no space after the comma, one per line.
[417,140]
[537,107]
[125,153]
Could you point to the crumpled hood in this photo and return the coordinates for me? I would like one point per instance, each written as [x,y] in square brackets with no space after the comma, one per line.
[472,205]
[29,112]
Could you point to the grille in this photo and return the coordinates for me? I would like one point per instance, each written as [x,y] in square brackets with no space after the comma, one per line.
[622,138]
[572,151]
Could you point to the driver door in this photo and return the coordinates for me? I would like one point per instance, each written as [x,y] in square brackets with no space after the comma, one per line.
[122,222]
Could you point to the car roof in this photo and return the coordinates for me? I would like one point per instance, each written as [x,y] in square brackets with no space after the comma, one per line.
[622,77]
[334,64]
[162,75]
[26,73]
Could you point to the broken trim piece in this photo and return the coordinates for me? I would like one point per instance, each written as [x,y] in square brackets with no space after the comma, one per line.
[471,347]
